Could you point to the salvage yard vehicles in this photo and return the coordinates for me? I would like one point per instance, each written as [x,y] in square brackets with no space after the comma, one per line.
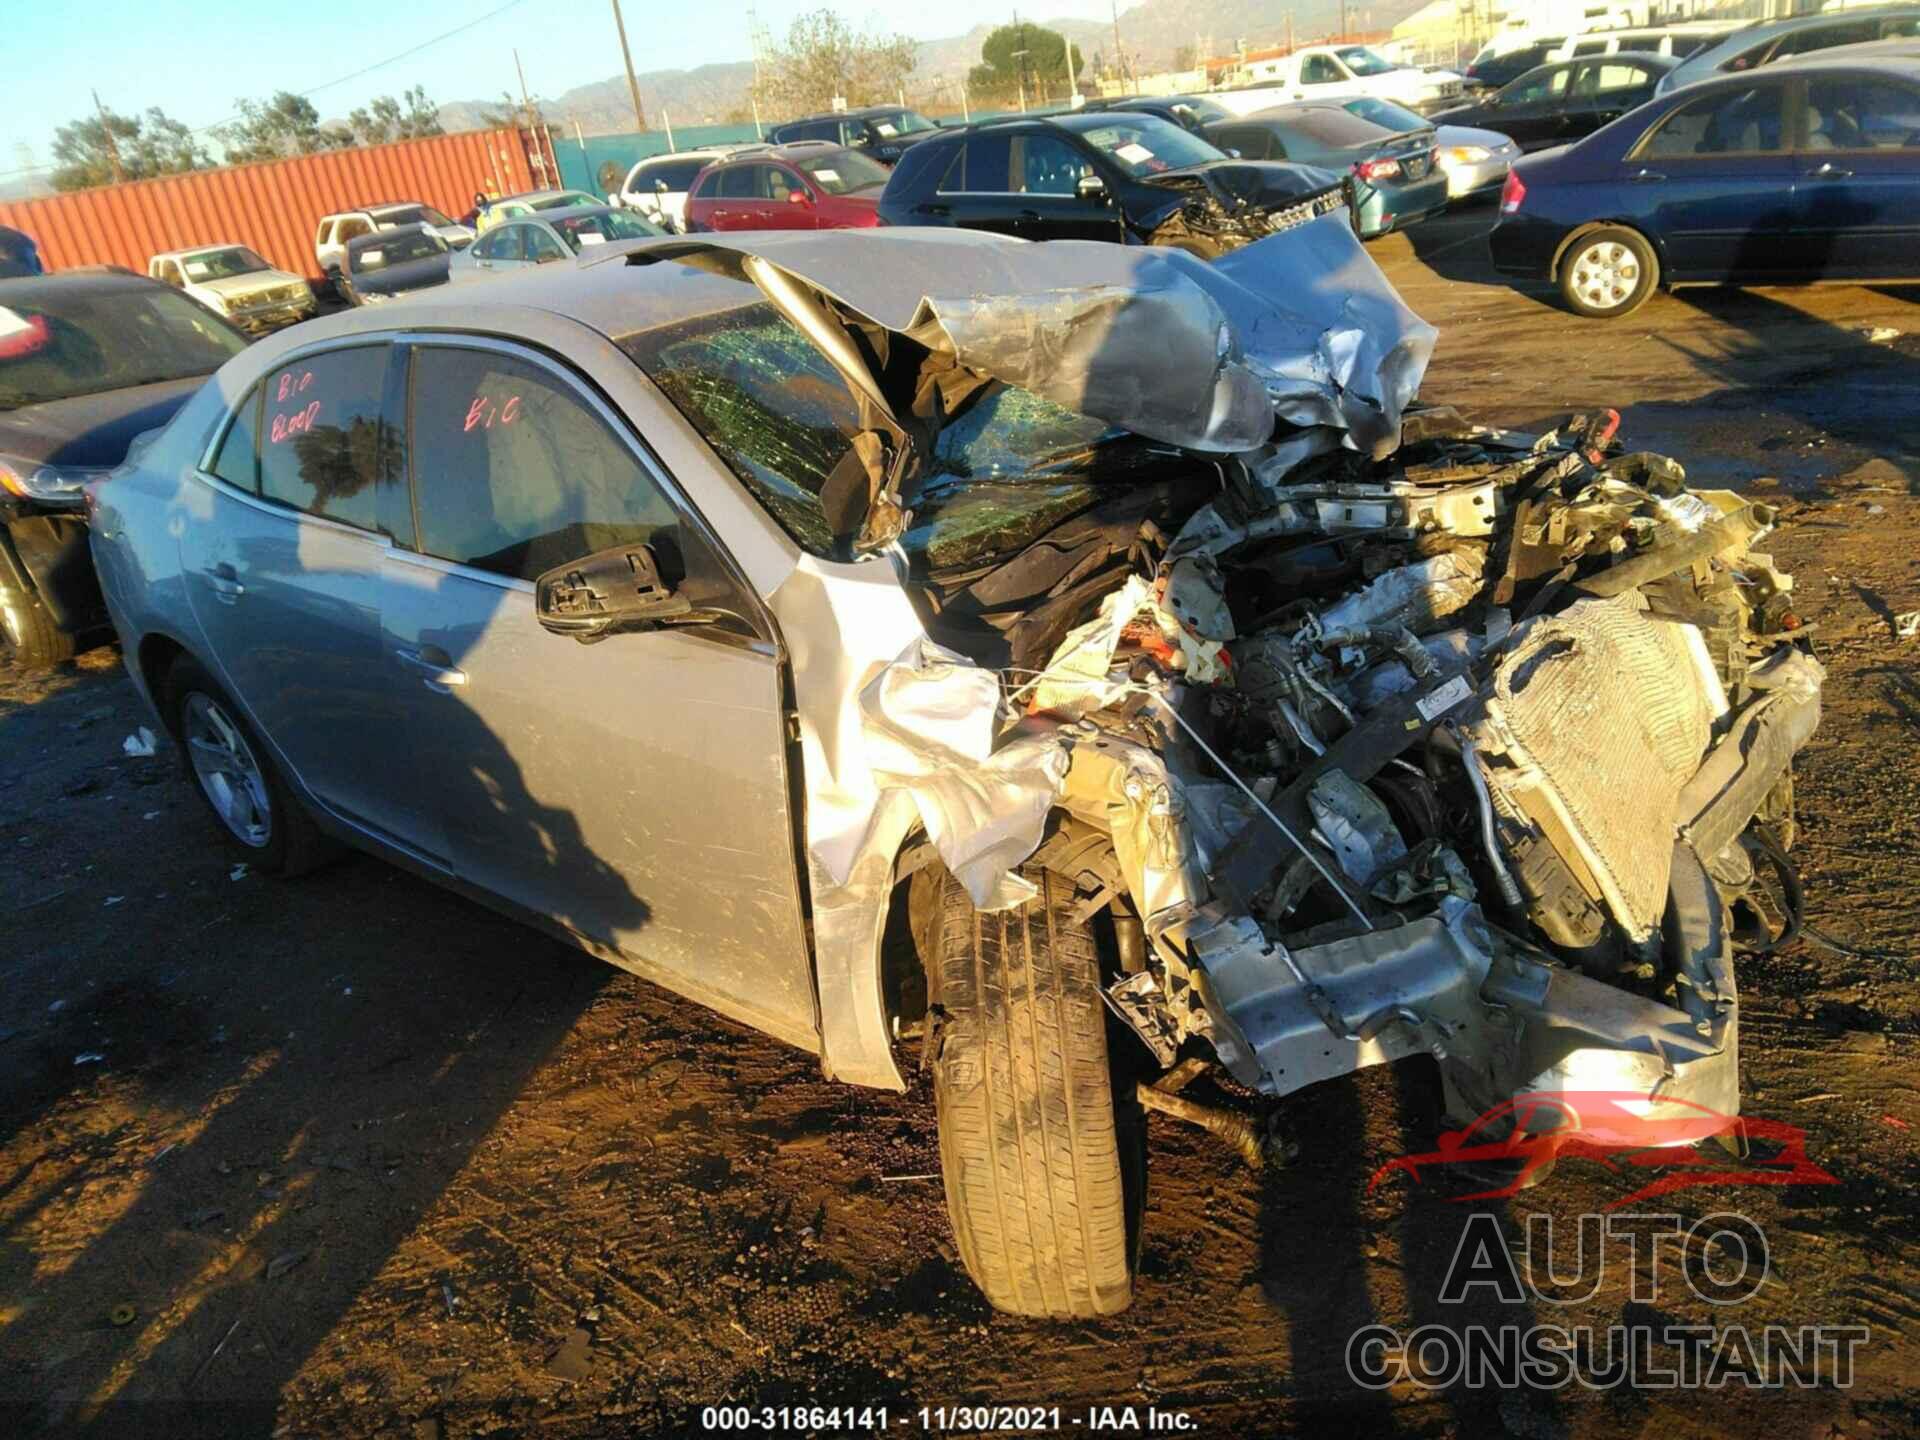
[88,362]
[336,232]
[233,281]
[1770,41]
[1476,161]
[545,237]
[531,202]
[1557,104]
[1803,172]
[1112,623]
[804,185]
[1121,176]
[1397,179]
[1333,72]
[392,263]
[883,132]
[656,188]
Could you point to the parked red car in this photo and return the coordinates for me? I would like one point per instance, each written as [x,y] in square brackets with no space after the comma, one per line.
[808,185]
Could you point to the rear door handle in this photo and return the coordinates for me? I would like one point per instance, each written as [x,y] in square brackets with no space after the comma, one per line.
[436,669]
[224,583]
[1640,176]
[933,210]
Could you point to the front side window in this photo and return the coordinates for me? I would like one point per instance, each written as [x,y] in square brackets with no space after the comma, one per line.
[1540,86]
[1320,70]
[740,182]
[223,264]
[324,445]
[542,248]
[513,473]
[1047,165]
[1848,113]
[1726,122]
[86,341]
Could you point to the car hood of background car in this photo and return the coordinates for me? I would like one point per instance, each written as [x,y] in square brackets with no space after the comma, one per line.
[92,430]
[409,275]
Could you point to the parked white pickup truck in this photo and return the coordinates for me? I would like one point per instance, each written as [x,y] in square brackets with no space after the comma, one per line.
[1338,72]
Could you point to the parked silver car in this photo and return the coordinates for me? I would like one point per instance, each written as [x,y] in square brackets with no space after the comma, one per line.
[1104,620]
[542,238]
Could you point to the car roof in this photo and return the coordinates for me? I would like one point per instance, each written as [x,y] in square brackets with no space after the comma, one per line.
[862,113]
[1898,58]
[791,150]
[65,282]
[564,212]
[708,153]
[201,249]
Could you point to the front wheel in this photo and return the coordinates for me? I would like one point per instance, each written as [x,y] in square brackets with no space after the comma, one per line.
[35,640]
[1044,1187]
[1609,272]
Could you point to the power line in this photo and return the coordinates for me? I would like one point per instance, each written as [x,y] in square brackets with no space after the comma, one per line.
[330,84]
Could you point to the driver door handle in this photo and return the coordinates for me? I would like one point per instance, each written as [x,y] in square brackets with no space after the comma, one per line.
[1641,176]
[933,210]
[1829,171]
[436,668]
[224,583]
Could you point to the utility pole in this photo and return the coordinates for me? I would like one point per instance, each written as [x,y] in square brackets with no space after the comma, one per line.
[1119,55]
[1343,21]
[532,122]
[633,83]
[1289,32]
[113,150]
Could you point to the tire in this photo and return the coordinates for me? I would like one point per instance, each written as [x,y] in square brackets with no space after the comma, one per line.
[236,776]
[1044,1196]
[1608,273]
[35,640]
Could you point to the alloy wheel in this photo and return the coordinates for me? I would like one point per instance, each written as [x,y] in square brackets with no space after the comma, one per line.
[228,770]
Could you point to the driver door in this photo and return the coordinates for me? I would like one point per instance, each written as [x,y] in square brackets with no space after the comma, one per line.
[633,791]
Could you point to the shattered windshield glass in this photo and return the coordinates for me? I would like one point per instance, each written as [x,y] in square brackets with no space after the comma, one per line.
[1003,471]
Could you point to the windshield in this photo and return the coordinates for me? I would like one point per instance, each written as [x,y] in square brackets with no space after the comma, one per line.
[222,264]
[410,215]
[602,226]
[561,202]
[1006,468]
[89,342]
[902,122]
[397,251]
[1386,114]
[1362,61]
[842,172]
[1196,111]
[1147,145]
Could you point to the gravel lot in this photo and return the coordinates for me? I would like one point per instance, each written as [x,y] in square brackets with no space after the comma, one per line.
[360,1158]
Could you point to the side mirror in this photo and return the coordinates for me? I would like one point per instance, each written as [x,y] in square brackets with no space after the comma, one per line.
[799,197]
[1090,187]
[607,592]
[660,186]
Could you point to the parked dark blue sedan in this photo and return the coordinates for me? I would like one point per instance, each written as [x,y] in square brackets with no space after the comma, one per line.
[1798,173]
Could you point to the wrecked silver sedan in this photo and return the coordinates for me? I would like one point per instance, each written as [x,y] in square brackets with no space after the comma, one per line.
[1087,660]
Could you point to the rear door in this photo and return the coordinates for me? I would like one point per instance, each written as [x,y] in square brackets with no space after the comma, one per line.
[632,790]
[977,192]
[1714,180]
[1533,109]
[283,572]
[1857,180]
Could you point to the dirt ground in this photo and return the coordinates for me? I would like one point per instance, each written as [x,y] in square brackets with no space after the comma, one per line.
[351,1156]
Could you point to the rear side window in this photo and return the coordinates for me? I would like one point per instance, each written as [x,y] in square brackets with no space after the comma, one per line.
[238,462]
[677,175]
[513,473]
[740,182]
[1726,122]
[1254,142]
[983,167]
[1825,37]
[324,448]
[1615,77]
[1850,113]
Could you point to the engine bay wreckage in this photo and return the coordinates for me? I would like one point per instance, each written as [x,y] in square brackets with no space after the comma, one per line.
[1378,732]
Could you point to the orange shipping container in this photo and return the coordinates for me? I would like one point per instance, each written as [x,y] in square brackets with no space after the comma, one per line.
[274,206]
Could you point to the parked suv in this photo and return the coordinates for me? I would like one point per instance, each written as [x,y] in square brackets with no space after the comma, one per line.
[1101,175]
[808,185]
[656,188]
[88,361]
[882,131]
[233,281]
[1559,103]
[1772,40]
[336,232]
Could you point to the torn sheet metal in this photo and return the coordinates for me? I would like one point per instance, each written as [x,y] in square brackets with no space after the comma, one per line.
[1301,324]
[1079,678]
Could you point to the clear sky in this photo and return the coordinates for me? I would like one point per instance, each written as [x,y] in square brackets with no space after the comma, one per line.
[195,61]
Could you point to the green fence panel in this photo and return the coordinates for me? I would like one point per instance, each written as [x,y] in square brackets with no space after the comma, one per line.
[598,165]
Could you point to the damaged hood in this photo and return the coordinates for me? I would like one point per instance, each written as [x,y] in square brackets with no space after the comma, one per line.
[1301,327]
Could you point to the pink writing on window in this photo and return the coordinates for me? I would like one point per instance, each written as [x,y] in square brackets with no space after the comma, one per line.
[292,385]
[298,423]
[486,413]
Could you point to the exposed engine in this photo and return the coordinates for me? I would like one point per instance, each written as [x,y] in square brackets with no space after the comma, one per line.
[1435,754]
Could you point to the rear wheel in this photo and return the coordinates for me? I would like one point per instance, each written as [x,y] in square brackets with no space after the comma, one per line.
[236,776]
[1608,272]
[1044,1187]
[35,640]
